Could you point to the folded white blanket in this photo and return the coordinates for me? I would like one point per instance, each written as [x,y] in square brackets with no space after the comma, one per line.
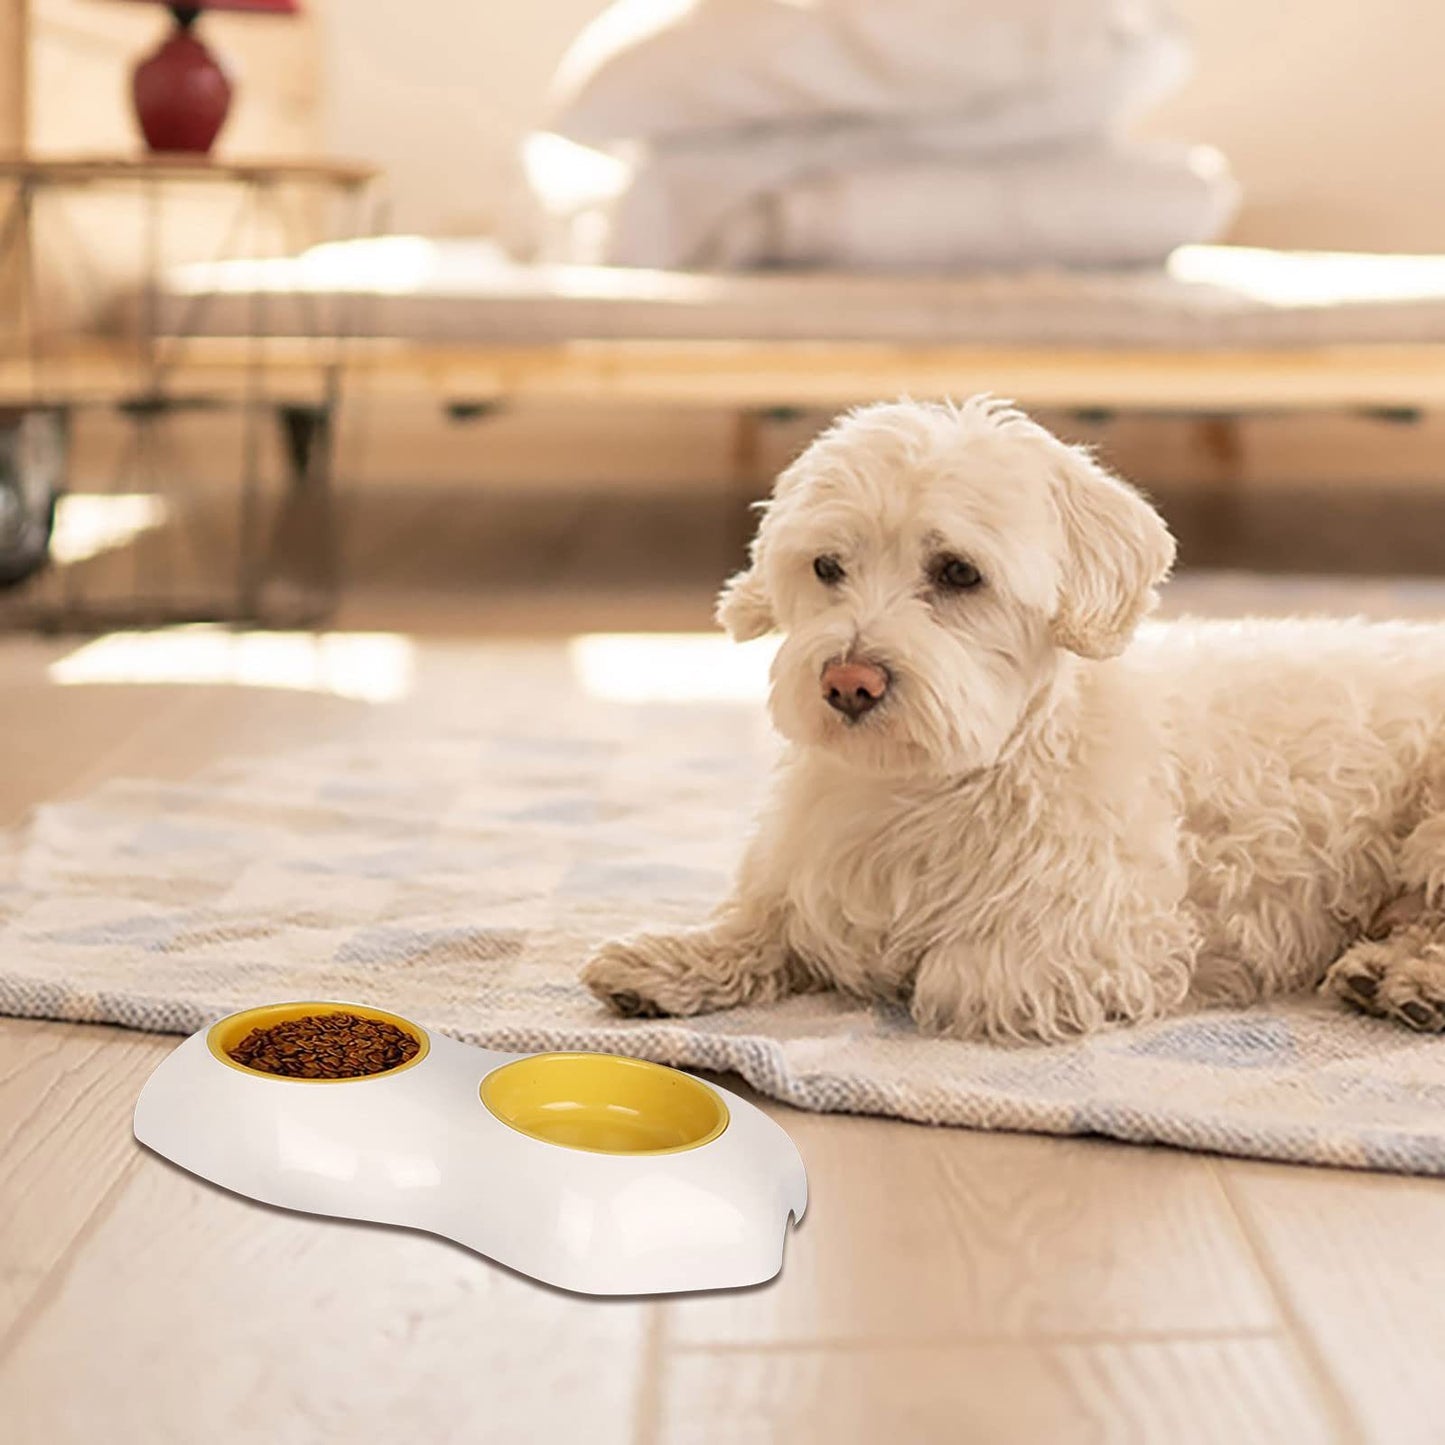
[1100,205]
[645,69]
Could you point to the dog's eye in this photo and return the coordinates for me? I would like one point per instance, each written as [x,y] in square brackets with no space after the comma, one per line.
[827,569]
[956,575]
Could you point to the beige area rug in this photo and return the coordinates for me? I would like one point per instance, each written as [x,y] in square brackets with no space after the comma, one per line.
[460,880]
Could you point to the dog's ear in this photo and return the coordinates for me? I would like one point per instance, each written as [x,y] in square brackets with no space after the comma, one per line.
[1117,550]
[743,609]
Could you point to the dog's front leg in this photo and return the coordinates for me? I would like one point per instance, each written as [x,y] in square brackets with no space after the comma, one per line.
[738,958]
[1012,988]
[948,995]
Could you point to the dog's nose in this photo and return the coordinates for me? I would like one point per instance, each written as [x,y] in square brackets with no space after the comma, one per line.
[853,686]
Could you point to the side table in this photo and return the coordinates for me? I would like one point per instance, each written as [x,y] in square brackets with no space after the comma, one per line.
[157,366]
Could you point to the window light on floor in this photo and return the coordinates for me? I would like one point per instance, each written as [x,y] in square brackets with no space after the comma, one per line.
[370,667]
[89,523]
[671,667]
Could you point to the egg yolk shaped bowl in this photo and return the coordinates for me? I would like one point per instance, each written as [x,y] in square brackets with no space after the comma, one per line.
[593,1172]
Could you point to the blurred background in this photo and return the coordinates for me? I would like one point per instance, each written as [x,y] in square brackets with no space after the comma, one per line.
[588,205]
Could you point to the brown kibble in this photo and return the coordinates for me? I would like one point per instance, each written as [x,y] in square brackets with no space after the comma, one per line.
[326,1046]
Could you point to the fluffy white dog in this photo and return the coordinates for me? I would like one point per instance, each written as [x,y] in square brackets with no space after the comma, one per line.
[1007,804]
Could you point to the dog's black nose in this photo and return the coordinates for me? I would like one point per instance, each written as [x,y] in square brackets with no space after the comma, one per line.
[853,687]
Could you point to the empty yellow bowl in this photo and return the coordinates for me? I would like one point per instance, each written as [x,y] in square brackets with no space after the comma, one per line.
[605,1104]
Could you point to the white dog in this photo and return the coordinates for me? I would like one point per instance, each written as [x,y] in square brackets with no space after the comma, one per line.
[1005,806]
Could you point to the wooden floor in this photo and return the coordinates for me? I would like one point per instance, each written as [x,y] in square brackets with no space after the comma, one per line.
[946,1286]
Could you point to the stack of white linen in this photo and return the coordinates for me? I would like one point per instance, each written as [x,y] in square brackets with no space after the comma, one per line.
[871,134]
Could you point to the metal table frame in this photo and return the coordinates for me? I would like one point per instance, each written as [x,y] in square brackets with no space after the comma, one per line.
[48,376]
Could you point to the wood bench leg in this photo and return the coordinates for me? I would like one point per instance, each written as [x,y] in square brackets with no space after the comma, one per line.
[1220,439]
[748,482]
[744,482]
[303,554]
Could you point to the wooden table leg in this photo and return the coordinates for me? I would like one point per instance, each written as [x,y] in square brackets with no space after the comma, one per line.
[1220,439]
[744,481]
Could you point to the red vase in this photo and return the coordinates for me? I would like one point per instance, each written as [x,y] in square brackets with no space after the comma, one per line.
[182,94]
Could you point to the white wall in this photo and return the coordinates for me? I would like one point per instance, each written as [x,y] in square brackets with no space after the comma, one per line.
[1332,111]
[81,56]
[440,92]
[78,60]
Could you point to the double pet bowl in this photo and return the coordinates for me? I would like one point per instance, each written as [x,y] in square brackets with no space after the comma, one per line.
[593,1172]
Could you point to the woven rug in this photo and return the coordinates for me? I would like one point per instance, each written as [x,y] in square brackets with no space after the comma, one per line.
[459,880]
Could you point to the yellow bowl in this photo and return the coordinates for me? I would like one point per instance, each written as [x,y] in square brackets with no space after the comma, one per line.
[228,1032]
[605,1104]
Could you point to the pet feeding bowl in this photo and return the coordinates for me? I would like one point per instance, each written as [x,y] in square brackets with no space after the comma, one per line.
[593,1172]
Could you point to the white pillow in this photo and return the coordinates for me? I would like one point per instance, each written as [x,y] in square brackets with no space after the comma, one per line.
[645,69]
[1124,206]
[1087,205]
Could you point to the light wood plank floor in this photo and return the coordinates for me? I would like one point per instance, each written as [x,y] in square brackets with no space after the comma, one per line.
[946,1286]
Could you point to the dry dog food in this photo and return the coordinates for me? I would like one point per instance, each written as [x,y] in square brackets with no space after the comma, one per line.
[326,1046]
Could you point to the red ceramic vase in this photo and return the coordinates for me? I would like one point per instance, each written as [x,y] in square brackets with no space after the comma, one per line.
[182,94]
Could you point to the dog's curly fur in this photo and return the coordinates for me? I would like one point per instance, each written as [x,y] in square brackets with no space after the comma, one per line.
[1055,819]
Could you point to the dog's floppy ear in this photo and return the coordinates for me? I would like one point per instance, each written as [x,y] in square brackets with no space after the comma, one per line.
[1116,552]
[743,609]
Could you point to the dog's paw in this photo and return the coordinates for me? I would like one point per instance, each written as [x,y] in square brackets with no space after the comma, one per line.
[1401,978]
[1355,977]
[642,977]
[692,971]
[622,980]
